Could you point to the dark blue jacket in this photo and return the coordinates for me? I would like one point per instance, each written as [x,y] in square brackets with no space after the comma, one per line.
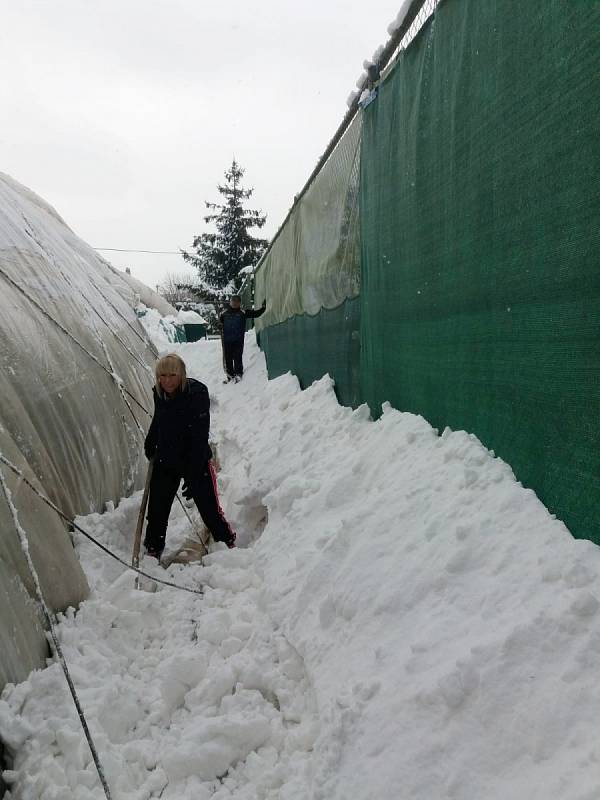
[178,433]
[233,321]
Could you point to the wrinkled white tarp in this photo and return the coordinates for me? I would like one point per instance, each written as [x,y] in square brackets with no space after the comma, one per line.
[63,419]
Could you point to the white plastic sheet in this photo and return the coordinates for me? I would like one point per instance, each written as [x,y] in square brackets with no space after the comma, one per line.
[73,389]
[314,261]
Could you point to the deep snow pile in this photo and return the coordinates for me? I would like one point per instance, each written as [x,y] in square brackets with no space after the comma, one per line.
[409,623]
[161,329]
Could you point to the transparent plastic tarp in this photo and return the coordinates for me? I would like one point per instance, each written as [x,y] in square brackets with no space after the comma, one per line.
[315,261]
[75,381]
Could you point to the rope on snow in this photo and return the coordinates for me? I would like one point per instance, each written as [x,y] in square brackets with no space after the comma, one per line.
[58,649]
[81,530]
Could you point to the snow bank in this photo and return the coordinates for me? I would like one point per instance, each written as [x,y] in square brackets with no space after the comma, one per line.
[190,318]
[403,620]
[162,330]
[166,331]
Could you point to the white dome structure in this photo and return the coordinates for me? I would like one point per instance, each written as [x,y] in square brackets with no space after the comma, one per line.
[75,383]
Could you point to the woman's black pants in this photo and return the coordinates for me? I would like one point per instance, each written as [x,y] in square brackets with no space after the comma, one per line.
[203,487]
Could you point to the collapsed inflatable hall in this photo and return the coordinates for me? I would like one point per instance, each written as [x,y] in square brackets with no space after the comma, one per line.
[75,382]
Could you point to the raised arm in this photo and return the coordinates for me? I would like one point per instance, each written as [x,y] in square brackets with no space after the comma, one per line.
[252,313]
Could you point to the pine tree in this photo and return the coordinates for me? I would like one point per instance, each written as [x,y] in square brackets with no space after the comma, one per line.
[220,256]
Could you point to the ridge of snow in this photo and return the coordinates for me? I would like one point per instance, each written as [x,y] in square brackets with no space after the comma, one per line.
[352,97]
[30,197]
[400,17]
[377,54]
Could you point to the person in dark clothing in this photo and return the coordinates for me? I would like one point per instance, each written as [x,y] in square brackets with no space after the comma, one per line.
[233,328]
[178,442]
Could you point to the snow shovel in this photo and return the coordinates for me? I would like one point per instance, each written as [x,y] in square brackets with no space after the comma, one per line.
[135,560]
[192,549]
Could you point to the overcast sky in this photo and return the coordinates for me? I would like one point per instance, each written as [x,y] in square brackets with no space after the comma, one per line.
[124,114]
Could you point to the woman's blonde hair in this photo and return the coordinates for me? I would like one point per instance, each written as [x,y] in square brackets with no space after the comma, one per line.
[167,365]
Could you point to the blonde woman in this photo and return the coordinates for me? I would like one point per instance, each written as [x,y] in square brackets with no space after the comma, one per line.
[178,442]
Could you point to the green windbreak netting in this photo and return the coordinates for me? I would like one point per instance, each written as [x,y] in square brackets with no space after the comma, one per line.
[314,262]
[480,296]
[310,347]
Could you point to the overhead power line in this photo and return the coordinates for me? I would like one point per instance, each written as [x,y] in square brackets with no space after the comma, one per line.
[155,252]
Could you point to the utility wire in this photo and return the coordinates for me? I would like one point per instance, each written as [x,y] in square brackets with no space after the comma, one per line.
[155,252]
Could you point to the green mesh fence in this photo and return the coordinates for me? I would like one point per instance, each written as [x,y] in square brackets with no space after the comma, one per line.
[310,347]
[480,304]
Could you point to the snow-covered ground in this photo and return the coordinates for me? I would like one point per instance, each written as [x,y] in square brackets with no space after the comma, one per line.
[402,620]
